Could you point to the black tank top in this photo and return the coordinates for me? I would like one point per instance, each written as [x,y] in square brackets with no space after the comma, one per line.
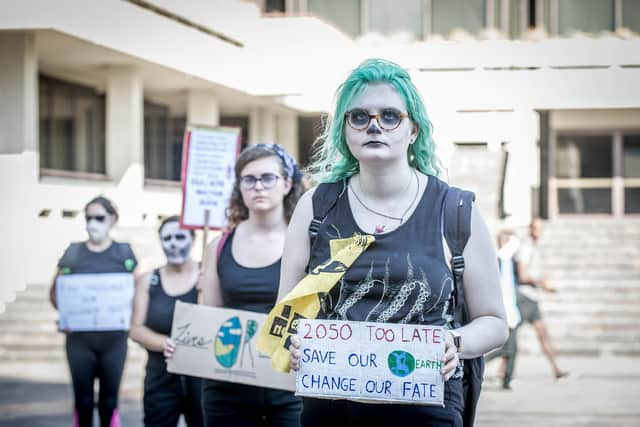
[161,305]
[244,288]
[78,259]
[402,277]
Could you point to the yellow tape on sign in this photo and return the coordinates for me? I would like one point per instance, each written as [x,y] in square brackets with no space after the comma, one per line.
[304,300]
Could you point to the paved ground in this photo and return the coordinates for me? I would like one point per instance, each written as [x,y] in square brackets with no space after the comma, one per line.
[600,392]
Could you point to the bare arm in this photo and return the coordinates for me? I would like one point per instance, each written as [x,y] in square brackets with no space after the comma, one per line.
[526,278]
[488,327]
[209,283]
[139,332]
[296,246]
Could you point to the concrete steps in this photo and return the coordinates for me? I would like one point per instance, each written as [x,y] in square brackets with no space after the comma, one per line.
[595,265]
[32,348]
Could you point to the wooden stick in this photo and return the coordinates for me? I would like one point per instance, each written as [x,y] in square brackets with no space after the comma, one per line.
[205,235]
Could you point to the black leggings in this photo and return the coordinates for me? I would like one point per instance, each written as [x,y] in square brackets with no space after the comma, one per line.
[101,355]
[167,395]
[238,405]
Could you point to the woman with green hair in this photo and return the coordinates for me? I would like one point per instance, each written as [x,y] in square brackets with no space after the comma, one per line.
[379,141]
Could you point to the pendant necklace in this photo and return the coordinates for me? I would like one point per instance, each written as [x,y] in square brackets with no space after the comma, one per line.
[380,228]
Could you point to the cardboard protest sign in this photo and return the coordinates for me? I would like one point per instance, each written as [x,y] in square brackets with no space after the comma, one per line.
[94,302]
[304,299]
[375,362]
[220,343]
[208,161]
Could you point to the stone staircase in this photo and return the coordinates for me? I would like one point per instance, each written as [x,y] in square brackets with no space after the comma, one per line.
[32,348]
[595,265]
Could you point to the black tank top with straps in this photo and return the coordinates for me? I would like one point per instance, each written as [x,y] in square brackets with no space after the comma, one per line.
[245,288]
[161,305]
[402,278]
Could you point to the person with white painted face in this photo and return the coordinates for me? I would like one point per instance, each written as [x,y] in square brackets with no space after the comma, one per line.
[96,354]
[241,270]
[166,395]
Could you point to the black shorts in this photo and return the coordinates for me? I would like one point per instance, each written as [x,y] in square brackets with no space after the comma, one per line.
[529,309]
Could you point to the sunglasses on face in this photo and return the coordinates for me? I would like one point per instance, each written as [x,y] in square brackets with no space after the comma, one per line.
[99,218]
[387,118]
[268,180]
[177,237]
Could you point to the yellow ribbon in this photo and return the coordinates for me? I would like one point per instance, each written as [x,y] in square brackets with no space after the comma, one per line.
[304,299]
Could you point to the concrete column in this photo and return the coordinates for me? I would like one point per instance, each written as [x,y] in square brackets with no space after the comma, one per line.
[262,125]
[254,126]
[125,142]
[19,93]
[287,133]
[267,126]
[202,108]
[125,131]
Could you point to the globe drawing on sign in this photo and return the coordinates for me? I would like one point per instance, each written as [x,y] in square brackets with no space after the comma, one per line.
[228,342]
[401,363]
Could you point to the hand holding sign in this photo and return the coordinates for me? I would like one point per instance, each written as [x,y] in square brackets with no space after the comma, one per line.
[371,361]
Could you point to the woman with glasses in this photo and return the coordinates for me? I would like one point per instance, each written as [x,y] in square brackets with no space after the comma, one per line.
[96,354]
[244,274]
[166,395]
[379,141]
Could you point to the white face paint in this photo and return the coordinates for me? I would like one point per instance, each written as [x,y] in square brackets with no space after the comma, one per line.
[176,243]
[99,223]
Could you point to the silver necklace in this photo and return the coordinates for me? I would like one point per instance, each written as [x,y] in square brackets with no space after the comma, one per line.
[381,227]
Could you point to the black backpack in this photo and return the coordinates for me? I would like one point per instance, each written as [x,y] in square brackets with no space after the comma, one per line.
[456,211]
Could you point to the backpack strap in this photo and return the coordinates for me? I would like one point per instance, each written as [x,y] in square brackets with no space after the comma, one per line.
[324,199]
[223,239]
[457,208]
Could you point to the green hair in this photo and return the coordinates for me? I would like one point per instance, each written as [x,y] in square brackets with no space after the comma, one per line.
[332,160]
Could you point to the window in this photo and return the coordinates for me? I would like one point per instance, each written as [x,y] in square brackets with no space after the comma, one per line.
[631,173]
[587,161]
[399,16]
[72,127]
[163,138]
[631,15]
[584,157]
[448,15]
[309,129]
[241,122]
[274,6]
[586,173]
[591,16]
[344,14]
[631,156]
[584,200]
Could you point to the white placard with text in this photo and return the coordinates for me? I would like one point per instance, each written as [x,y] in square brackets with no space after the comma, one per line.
[375,362]
[208,175]
[94,302]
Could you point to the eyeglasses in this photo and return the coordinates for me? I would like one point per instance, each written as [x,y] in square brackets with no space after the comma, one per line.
[268,181]
[388,118]
[99,218]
